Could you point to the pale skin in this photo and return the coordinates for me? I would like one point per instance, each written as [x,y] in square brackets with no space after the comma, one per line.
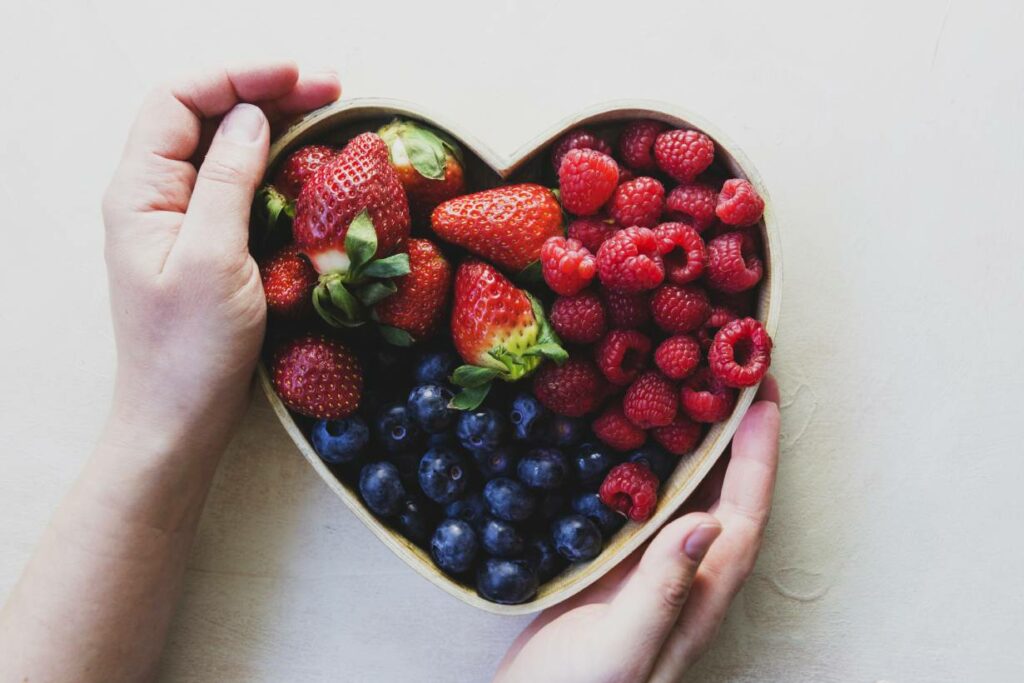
[95,600]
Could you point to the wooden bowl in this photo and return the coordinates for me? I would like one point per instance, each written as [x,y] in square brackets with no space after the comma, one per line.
[485,168]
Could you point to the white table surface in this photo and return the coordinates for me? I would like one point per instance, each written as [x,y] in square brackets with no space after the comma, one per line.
[890,136]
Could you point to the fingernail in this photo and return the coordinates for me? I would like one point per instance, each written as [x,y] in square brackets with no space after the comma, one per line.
[244,123]
[700,539]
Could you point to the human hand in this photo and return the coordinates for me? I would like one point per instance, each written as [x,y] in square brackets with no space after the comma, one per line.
[652,616]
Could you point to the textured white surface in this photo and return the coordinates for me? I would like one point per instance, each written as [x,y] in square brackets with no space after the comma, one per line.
[890,136]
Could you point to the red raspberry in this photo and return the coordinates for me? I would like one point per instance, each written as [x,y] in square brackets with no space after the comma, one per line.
[578,319]
[680,437]
[629,261]
[650,401]
[614,428]
[577,139]
[637,142]
[720,315]
[682,252]
[638,202]
[705,398]
[288,283]
[739,204]
[692,203]
[631,489]
[678,356]
[567,265]
[733,263]
[622,354]
[680,308]
[741,353]
[592,231]
[586,180]
[625,174]
[741,303]
[627,310]
[684,154]
[573,388]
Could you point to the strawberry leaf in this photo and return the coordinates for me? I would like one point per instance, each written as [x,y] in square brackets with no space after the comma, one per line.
[426,152]
[360,241]
[375,292]
[336,305]
[395,336]
[392,266]
[530,276]
[275,214]
[548,343]
[473,376]
[470,398]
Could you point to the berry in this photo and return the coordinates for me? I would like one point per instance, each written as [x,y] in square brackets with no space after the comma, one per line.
[415,520]
[576,538]
[650,401]
[442,475]
[578,319]
[683,154]
[564,431]
[631,489]
[427,163]
[291,177]
[480,430]
[720,315]
[591,231]
[574,388]
[628,311]
[678,356]
[739,204]
[543,468]
[586,179]
[472,509]
[527,417]
[705,398]
[682,252]
[397,431]
[340,441]
[550,504]
[418,304]
[733,264]
[509,499]
[501,462]
[680,308]
[428,405]
[577,139]
[655,459]
[680,437]
[567,265]
[622,354]
[380,487]
[288,283]
[454,546]
[615,429]
[590,463]
[636,144]
[507,582]
[544,559]
[435,368]
[692,203]
[741,353]
[630,261]
[638,202]
[590,506]
[501,538]
[317,377]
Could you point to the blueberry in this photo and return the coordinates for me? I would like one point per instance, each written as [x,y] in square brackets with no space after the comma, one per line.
[443,475]
[340,441]
[660,462]
[550,505]
[442,439]
[415,520]
[381,488]
[546,561]
[508,582]
[508,499]
[501,538]
[577,539]
[591,462]
[471,508]
[565,431]
[543,468]
[501,462]
[480,430]
[396,429]
[454,546]
[435,367]
[428,405]
[527,417]
[590,506]
[408,465]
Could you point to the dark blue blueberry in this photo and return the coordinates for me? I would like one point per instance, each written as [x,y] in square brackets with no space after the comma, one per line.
[480,430]
[590,506]
[660,462]
[340,441]
[591,462]
[435,367]
[443,475]
[543,468]
[472,508]
[454,546]
[381,488]
[501,538]
[501,462]
[508,582]
[546,561]
[508,499]
[565,431]
[576,538]
[428,405]
[396,429]
[441,439]
[527,416]
[415,520]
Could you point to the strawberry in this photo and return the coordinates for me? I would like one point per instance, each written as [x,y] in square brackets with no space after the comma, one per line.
[506,225]
[276,201]
[428,163]
[318,377]
[499,330]
[288,283]
[414,310]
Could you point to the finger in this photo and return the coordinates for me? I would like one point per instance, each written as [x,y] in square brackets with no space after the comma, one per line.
[311,92]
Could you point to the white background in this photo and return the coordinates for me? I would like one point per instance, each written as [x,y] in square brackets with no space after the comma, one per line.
[890,136]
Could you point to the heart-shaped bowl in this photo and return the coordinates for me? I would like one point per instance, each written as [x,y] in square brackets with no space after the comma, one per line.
[484,168]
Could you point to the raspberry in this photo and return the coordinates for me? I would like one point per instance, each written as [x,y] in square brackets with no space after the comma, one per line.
[631,489]
[683,154]
[577,139]
[720,315]
[705,398]
[625,174]
[680,308]
[592,231]
[288,283]
[733,264]
[682,252]
[650,401]
[692,203]
[637,142]
[578,319]
[586,180]
[629,261]
[741,353]
[678,356]
[637,202]
[741,303]
[567,265]
[680,437]
[572,389]
[627,310]
[622,354]
[739,204]
[614,428]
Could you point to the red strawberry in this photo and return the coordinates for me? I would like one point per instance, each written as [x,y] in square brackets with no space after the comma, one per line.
[428,163]
[414,310]
[506,225]
[288,283]
[318,377]
[292,175]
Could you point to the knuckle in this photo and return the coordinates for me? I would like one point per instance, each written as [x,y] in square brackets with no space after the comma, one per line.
[675,590]
[220,171]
